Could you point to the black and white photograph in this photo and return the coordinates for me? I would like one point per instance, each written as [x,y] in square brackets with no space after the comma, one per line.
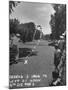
[37,44]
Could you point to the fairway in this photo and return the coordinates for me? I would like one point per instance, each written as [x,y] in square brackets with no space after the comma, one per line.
[41,64]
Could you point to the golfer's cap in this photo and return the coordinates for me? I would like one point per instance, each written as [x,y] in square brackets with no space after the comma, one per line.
[61,37]
[17,34]
[59,50]
[64,33]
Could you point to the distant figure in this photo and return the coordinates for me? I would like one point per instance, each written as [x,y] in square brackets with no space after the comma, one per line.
[56,78]
[57,56]
[61,43]
[15,40]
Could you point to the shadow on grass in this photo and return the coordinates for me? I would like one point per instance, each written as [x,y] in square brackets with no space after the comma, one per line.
[23,52]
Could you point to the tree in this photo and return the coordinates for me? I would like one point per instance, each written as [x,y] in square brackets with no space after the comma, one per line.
[37,35]
[11,5]
[58,20]
[26,31]
[13,26]
[13,22]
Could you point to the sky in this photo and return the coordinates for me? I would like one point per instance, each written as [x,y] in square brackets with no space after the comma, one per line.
[39,13]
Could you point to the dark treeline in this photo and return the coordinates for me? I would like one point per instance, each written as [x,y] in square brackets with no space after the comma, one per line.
[46,37]
[58,34]
[25,30]
[58,21]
